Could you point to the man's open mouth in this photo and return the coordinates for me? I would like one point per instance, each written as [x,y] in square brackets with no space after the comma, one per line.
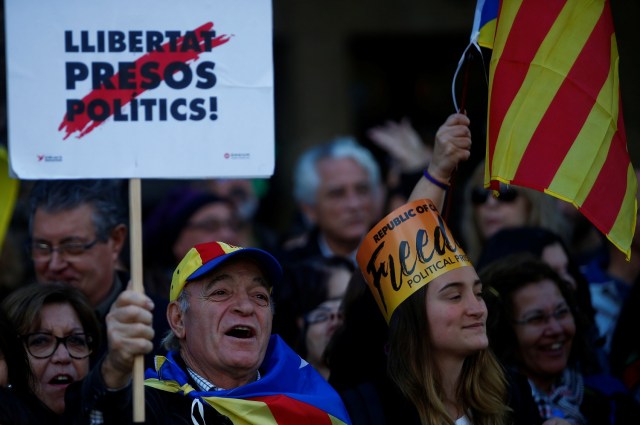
[242,332]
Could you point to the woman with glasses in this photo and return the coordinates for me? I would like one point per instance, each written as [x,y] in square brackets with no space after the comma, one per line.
[550,248]
[315,291]
[59,331]
[485,214]
[536,328]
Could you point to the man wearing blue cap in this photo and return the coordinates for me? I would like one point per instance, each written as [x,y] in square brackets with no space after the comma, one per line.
[221,312]
[223,364]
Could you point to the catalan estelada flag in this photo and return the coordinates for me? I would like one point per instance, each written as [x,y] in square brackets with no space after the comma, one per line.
[8,194]
[289,392]
[555,119]
[484,22]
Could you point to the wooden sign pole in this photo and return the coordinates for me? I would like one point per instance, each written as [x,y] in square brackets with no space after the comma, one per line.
[135,237]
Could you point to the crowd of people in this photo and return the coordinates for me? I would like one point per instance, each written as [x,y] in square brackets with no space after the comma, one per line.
[238,325]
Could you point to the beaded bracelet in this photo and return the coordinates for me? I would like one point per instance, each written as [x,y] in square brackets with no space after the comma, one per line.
[441,185]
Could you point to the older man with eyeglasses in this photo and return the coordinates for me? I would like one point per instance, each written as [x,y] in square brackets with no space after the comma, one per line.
[77,231]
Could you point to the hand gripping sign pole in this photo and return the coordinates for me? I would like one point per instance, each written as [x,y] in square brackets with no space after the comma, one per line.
[135,238]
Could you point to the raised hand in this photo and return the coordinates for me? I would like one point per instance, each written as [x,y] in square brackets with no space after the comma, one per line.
[401,141]
[452,145]
[129,333]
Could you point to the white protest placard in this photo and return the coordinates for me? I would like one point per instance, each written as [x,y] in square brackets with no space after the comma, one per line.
[140,89]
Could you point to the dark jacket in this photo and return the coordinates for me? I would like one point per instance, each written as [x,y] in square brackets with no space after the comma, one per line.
[381,403]
[608,402]
[173,408]
[84,400]
[161,407]
[24,409]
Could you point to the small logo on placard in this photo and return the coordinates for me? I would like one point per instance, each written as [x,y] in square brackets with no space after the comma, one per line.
[49,158]
[237,156]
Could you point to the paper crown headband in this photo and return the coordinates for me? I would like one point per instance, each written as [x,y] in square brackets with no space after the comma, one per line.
[406,250]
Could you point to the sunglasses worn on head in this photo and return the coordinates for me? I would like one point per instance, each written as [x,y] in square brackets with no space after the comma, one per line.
[479,195]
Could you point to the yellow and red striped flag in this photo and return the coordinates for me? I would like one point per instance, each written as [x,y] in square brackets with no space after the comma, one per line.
[8,194]
[555,118]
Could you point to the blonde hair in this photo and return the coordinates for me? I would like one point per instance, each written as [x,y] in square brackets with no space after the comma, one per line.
[542,212]
[482,386]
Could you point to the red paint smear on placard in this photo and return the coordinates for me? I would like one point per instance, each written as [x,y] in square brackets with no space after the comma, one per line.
[83,124]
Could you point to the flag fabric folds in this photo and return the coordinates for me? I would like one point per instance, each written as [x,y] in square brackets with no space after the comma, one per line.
[484,22]
[555,120]
[290,391]
[8,194]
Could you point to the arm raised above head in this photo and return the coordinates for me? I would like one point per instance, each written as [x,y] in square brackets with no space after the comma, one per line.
[452,145]
[402,142]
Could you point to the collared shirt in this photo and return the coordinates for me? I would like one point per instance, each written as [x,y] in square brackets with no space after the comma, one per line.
[204,385]
[464,420]
[328,253]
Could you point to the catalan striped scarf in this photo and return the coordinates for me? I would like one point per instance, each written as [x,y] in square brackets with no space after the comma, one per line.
[564,400]
[290,391]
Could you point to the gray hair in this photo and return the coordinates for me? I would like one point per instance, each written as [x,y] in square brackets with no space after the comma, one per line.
[307,179]
[104,195]
[171,342]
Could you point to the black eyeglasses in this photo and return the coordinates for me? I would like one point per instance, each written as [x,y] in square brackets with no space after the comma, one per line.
[479,195]
[42,251]
[42,345]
